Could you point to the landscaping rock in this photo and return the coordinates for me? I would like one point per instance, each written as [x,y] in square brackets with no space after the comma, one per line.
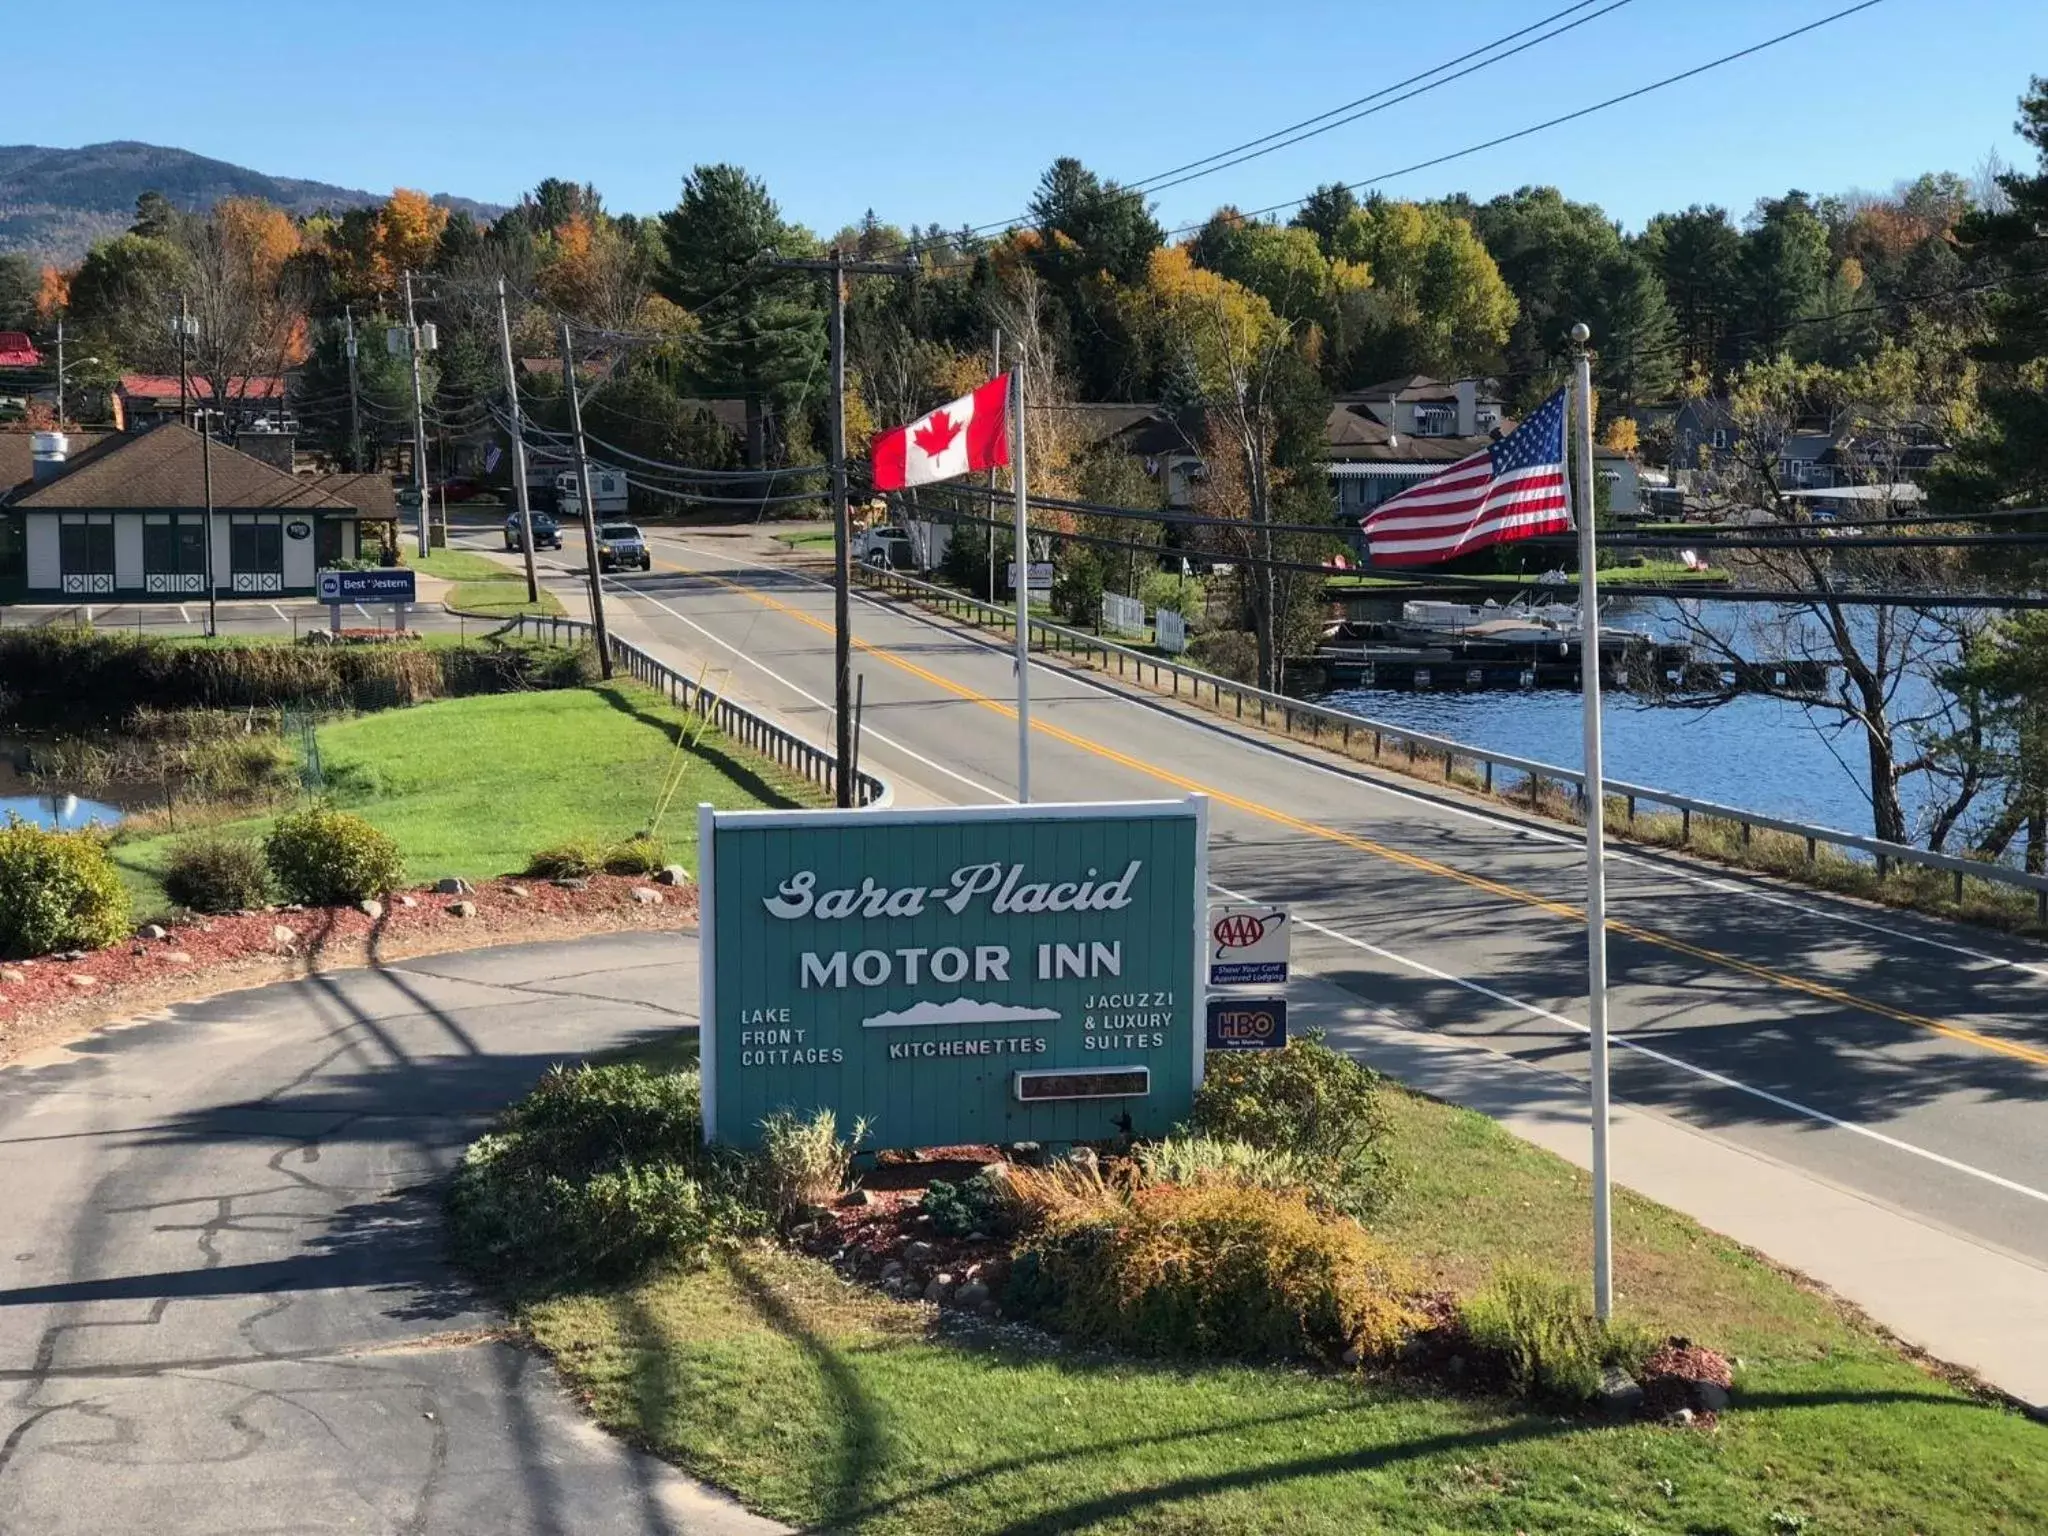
[69,956]
[1083,1157]
[408,901]
[462,909]
[891,1271]
[1710,1396]
[372,909]
[1619,1394]
[917,1252]
[972,1294]
[573,883]
[83,982]
[9,976]
[647,895]
[858,1197]
[672,874]
[153,932]
[175,957]
[453,887]
[1354,1356]
[286,939]
[939,1289]
[1685,1418]
[518,891]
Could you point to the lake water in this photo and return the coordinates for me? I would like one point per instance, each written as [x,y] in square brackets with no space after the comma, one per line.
[1754,753]
[66,813]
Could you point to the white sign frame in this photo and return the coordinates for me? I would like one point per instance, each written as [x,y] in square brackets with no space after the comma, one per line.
[1263,961]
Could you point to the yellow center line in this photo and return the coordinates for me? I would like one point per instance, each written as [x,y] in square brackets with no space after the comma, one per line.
[1379,850]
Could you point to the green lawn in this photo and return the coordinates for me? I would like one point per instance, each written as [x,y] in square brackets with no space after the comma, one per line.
[482,585]
[829,1406]
[473,787]
[806,538]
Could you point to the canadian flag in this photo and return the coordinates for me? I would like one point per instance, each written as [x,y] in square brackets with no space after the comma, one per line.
[968,434]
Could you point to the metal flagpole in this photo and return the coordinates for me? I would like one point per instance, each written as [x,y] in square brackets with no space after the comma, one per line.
[996,354]
[1596,831]
[1023,569]
[842,550]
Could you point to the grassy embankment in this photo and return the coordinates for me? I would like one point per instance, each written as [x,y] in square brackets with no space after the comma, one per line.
[829,1406]
[482,585]
[475,786]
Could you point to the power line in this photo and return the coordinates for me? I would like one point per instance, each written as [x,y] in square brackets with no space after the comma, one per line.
[1307,129]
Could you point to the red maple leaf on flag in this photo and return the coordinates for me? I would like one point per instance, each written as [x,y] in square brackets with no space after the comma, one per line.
[934,437]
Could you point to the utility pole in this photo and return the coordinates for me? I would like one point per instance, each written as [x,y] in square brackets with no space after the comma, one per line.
[355,407]
[842,550]
[518,446]
[604,644]
[60,373]
[838,269]
[206,474]
[419,415]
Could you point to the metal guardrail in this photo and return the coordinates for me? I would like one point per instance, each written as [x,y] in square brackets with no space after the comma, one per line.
[1247,702]
[754,731]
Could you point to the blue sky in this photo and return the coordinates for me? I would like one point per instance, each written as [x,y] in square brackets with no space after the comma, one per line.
[950,112]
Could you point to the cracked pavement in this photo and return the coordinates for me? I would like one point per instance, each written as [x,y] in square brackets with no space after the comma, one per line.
[223,1306]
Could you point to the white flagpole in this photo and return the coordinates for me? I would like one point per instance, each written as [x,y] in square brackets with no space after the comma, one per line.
[1023,568]
[1596,833]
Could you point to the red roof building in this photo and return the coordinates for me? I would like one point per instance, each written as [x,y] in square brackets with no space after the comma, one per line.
[17,351]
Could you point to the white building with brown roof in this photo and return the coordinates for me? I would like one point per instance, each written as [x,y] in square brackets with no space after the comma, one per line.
[123,518]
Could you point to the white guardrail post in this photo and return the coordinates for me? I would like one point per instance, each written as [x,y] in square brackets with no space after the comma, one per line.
[1343,722]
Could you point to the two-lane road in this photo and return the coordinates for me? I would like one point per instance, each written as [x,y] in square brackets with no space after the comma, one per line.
[1899,1057]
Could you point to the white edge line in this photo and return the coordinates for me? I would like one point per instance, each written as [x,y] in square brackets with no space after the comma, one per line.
[1718,1078]
[1496,820]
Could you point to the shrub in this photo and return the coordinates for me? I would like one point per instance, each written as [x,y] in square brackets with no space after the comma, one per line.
[1064,1194]
[1208,1162]
[981,1204]
[574,860]
[325,857]
[637,855]
[803,1161]
[1169,589]
[1224,1272]
[217,874]
[1316,1105]
[597,1175]
[1540,1333]
[58,890]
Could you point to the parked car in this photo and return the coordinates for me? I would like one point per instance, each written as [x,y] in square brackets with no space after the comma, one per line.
[458,488]
[622,547]
[547,533]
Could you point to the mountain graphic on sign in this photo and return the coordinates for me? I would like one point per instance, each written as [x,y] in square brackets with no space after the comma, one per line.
[962,1010]
[936,435]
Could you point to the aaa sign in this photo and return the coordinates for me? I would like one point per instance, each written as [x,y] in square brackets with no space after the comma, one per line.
[973,975]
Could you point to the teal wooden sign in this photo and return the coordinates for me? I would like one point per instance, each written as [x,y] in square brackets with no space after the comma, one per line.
[960,975]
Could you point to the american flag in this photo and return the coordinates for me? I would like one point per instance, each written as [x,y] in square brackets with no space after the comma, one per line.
[1512,489]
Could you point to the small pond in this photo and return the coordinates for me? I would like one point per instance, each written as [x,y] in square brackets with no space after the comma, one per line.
[67,813]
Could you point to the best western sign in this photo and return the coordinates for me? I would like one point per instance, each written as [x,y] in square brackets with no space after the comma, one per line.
[987,974]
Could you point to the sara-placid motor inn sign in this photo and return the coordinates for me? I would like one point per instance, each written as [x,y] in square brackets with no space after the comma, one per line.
[978,974]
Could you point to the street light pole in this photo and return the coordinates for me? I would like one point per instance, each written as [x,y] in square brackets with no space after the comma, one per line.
[184,371]
[355,409]
[212,572]
[60,373]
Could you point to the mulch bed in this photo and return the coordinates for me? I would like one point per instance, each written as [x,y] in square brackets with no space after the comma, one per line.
[46,1001]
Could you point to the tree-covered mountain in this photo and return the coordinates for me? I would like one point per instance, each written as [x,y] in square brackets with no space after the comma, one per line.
[55,202]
